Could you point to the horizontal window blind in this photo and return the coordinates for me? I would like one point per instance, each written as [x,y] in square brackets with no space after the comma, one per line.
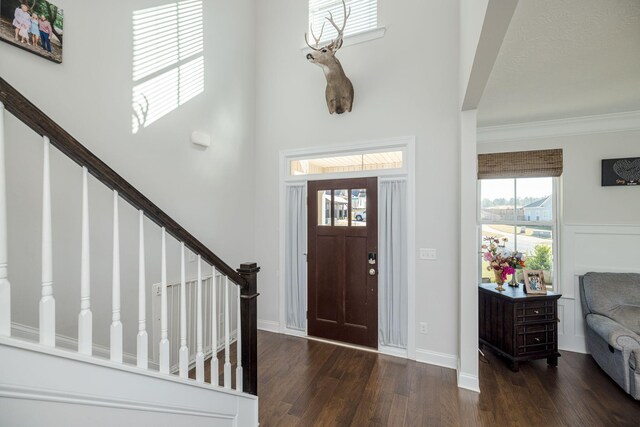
[520,164]
[364,16]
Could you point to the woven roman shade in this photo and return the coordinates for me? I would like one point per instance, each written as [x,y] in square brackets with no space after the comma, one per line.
[520,164]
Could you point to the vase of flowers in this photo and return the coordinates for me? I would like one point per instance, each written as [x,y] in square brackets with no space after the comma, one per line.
[502,261]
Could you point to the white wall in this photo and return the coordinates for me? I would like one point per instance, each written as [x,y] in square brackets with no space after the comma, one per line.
[405,84]
[211,193]
[600,226]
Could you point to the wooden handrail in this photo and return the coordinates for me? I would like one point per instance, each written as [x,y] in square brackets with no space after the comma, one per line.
[30,115]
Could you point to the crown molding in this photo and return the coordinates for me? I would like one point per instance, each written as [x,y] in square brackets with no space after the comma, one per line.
[616,122]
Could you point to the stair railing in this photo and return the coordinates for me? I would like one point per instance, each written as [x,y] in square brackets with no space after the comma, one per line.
[244,277]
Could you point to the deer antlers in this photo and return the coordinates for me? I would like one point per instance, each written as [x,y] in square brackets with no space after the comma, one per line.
[337,42]
[317,39]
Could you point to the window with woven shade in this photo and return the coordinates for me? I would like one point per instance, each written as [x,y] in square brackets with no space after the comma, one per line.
[519,201]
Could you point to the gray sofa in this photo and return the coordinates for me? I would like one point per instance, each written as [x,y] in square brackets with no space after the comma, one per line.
[611,308]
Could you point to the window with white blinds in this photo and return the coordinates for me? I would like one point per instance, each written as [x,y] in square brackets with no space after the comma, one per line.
[168,59]
[364,16]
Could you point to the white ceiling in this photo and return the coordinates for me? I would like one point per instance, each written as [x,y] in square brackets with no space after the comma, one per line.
[565,58]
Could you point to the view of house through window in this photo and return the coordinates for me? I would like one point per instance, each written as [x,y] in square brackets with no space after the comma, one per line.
[523,211]
[168,59]
[350,163]
[364,16]
[349,208]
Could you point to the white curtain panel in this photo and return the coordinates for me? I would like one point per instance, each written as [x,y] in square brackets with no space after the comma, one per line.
[392,268]
[295,258]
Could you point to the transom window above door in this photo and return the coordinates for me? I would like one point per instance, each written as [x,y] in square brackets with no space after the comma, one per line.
[342,208]
[347,163]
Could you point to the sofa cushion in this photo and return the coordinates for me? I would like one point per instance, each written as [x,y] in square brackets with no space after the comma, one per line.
[616,296]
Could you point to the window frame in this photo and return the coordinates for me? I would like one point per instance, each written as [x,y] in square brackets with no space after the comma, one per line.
[555,225]
[358,152]
[349,39]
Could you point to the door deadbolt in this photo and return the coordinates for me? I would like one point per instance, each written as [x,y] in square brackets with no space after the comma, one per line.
[372,258]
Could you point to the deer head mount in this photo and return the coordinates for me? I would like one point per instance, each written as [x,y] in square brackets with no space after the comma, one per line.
[339,92]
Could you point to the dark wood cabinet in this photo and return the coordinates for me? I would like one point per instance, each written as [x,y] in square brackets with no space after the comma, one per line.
[518,326]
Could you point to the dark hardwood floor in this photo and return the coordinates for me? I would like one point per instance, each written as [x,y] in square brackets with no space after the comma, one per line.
[309,383]
[303,383]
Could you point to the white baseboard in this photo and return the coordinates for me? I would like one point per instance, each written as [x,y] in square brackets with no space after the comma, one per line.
[468,382]
[295,333]
[75,399]
[269,326]
[574,343]
[439,359]
[393,351]
[30,333]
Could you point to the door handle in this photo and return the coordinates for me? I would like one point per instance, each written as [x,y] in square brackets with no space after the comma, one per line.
[372,272]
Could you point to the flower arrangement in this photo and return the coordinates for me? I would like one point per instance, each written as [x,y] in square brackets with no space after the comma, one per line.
[501,261]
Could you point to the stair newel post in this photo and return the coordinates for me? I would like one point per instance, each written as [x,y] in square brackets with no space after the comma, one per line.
[116,324]
[215,380]
[249,327]
[5,287]
[183,354]
[47,302]
[164,324]
[227,352]
[239,386]
[199,347]
[143,337]
[85,318]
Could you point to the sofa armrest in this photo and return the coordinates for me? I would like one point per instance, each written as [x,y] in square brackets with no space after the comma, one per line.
[614,333]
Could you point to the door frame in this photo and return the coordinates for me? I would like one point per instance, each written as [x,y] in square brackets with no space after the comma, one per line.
[407,173]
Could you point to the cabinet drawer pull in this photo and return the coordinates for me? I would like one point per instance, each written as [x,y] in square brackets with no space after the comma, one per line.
[536,311]
[536,339]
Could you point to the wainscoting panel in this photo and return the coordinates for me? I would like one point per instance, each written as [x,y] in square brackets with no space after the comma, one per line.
[591,248]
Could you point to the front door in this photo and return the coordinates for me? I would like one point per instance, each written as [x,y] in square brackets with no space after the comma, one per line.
[343,260]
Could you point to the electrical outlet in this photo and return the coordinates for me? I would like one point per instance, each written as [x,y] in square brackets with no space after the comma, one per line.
[429,254]
[424,328]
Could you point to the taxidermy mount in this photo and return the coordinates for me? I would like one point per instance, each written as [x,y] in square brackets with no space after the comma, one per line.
[339,92]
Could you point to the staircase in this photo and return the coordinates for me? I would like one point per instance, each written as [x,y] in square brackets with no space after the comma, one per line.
[44,382]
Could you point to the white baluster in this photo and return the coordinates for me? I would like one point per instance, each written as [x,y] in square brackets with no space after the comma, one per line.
[227,356]
[85,318]
[143,338]
[164,329]
[215,380]
[238,344]
[116,324]
[199,350]
[47,302]
[183,356]
[5,287]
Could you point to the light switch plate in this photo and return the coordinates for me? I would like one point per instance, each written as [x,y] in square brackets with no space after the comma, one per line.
[428,253]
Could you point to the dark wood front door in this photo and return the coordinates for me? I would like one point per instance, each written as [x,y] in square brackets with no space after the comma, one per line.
[343,260]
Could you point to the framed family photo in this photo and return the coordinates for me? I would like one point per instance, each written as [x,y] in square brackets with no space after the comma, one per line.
[33,25]
[534,283]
